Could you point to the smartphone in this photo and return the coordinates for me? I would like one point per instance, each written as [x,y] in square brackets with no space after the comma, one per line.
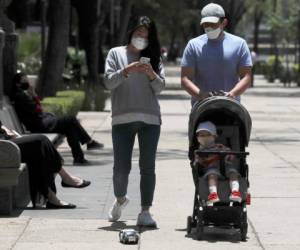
[145,60]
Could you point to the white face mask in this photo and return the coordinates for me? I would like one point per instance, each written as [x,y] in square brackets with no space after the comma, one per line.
[212,33]
[139,43]
[206,141]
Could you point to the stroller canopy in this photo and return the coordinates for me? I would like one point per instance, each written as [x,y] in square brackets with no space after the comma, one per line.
[221,111]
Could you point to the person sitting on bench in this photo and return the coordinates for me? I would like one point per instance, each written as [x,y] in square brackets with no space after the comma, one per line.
[43,162]
[30,111]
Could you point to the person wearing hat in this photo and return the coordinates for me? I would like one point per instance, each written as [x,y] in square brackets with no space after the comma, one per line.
[206,134]
[134,73]
[216,60]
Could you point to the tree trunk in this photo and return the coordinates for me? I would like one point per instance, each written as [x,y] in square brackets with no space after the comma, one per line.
[257,21]
[275,45]
[88,18]
[54,61]
[125,19]
[236,11]
[298,78]
[173,51]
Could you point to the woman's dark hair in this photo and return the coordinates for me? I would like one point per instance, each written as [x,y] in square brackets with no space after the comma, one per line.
[153,49]
[17,78]
[15,83]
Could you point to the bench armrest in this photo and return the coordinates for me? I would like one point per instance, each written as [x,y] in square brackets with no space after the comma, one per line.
[10,155]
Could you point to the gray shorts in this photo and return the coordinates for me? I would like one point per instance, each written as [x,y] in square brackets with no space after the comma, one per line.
[215,170]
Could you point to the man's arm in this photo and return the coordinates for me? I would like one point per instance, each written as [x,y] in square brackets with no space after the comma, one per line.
[187,74]
[243,84]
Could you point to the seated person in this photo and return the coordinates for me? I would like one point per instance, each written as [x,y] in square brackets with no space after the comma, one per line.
[206,136]
[43,162]
[29,110]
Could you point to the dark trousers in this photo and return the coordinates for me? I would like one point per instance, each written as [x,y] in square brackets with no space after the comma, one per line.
[42,160]
[75,133]
[123,137]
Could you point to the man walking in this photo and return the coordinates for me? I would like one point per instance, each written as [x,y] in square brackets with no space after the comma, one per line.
[216,60]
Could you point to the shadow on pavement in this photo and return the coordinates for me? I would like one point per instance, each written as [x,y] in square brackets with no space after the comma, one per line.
[171,154]
[120,225]
[215,235]
[174,97]
[117,226]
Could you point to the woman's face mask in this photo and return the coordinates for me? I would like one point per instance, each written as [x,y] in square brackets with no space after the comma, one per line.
[212,33]
[139,43]
[206,141]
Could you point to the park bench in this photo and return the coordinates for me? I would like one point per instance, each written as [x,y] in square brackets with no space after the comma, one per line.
[14,183]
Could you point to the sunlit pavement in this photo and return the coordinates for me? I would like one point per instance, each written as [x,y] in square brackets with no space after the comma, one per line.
[274,220]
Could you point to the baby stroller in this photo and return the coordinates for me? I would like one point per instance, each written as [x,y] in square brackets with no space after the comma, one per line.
[233,124]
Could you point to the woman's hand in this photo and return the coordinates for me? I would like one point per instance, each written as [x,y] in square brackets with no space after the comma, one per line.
[11,133]
[131,68]
[147,69]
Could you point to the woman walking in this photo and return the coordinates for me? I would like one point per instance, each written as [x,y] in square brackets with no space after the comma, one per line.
[135,75]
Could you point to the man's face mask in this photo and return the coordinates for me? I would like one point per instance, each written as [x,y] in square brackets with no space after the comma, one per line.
[212,33]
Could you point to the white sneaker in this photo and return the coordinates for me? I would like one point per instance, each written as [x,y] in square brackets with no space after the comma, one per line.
[145,219]
[116,210]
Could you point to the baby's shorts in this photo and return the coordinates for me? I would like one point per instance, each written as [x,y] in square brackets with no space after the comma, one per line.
[215,170]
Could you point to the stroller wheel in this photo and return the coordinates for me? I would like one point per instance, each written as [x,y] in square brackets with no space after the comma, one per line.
[200,231]
[189,224]
[200,225]
[244,230]
[244,226]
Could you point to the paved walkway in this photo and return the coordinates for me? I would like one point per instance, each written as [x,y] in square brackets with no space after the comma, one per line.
[274,219]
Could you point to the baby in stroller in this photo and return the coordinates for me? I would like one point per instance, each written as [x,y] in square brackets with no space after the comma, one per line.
[206,134]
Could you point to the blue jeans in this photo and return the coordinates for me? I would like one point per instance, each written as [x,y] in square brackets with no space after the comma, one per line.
[123,136]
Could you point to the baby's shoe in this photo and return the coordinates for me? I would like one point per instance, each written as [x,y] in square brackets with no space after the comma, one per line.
[212,198]
[235,196]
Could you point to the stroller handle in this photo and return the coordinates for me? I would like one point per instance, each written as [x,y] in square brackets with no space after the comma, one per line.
[221,153]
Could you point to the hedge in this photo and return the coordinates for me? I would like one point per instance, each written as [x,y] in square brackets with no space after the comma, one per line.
[68,102]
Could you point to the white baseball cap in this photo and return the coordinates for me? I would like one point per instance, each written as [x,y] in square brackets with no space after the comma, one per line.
[207,126]
[212,13]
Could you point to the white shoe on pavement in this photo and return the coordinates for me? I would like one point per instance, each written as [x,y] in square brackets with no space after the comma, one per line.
[145,219]
[116,210]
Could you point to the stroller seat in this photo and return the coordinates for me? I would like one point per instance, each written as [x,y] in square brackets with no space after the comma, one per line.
[229,136]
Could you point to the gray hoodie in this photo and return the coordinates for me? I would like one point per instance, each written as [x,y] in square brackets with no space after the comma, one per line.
[133,97]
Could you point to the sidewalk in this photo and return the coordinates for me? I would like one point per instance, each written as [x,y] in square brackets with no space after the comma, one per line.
[261,86]
[274,161]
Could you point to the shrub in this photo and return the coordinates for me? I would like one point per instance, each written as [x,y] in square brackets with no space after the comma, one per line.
[270,72]
[67,102]
[296,74]
[29,45]
[28,53]
[260,67]
[51,104]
